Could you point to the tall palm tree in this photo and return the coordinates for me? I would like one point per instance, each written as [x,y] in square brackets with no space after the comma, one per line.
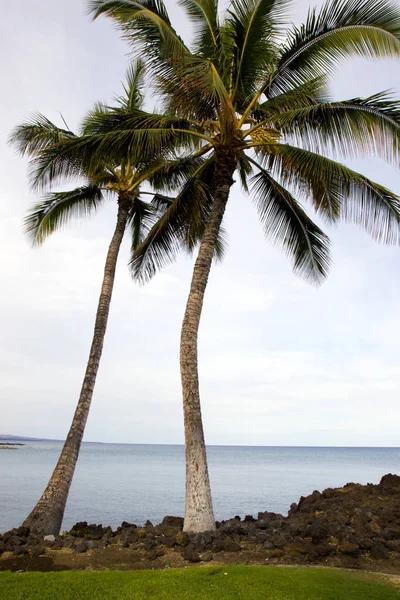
[119,177]
[250,97]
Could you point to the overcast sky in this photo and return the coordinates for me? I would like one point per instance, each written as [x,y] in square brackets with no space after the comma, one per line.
[281,362]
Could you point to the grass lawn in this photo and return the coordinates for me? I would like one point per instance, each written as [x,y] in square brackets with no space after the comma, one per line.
[218,583]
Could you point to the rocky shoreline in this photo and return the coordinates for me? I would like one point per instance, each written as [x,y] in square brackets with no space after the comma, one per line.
[354,527]
[10,445]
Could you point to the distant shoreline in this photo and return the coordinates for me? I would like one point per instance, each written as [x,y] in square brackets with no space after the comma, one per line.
[15,438]
[4,438]
[10,445]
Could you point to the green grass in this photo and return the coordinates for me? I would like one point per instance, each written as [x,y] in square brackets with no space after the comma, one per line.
[220,583]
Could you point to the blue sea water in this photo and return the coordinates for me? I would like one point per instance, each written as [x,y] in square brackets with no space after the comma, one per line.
[128,482]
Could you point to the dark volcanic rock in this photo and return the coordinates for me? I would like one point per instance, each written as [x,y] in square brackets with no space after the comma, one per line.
[202,541]
[206,556]
[126,525]
[172,522]
[225,544]
[190,554]
[36,551]
[20,550]
[80,546]
[182,539]
[266,520]
[231,526]
[318,530]
[390,482]
[379,551]
[149,543]
[249,519]
[352,526]
[94,532]
[166,541]
[278,540]
[393,545]
[348,548]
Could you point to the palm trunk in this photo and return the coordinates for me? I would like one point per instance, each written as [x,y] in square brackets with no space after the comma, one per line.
[199,515]
[47,516]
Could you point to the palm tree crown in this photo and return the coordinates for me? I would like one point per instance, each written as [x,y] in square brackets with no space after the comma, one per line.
[119,175]
[241,92]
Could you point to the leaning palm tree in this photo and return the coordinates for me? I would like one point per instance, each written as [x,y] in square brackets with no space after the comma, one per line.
[244,100]
[118,176]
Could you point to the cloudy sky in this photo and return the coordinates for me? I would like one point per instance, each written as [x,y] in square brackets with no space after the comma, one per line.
[281,362]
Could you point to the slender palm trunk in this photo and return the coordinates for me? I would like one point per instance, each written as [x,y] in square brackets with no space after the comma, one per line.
[199,515]
[47,516]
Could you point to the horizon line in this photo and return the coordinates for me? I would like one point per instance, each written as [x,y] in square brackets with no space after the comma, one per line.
[4,437]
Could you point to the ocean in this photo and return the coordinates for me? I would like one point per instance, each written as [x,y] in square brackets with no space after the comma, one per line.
[129,482]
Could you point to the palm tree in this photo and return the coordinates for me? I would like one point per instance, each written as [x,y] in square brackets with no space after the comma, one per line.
[120,177]
[246,99]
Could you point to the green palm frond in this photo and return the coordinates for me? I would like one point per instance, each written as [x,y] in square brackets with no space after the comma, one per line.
[341,28]
[182,225]
[65,161]
[161,202]
[290,228]
[128,103]
[133,87]
[350,128]
[305,95]
[244,170]
[94,118]
[108,125]
[142,218]
[142,144]
[175,172]
[87,154]
[204,15]
[338,192]
[57,209]
[194,88]
[148,24]
[254,24]
[37,134]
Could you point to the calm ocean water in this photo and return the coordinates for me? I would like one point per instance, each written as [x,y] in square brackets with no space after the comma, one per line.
[127,482]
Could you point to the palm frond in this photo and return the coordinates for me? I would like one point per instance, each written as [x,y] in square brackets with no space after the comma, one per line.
[133,87]
[175,172]
[181,226]
[57,209]
[254,24]
[244,170]
[65,161]
[194,88]
[161,202]
[142,217]
[341,28]
[140,140]
[337,192]
[204,16]
[37,134]
[290,228]
[305,95]
[147,24]
[368,126]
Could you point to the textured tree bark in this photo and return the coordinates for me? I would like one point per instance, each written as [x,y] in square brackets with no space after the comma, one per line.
[199,515]
[47,515]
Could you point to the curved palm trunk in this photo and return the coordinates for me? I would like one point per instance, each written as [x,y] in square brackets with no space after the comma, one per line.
[199,515]
[47,516]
